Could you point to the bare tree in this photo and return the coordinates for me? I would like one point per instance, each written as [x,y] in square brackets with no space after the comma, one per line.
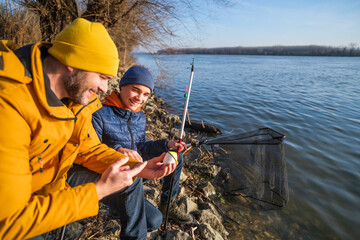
[131,23]
[18,24]
[54,15]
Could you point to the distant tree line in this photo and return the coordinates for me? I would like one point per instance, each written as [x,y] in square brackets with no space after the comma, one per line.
[309,50]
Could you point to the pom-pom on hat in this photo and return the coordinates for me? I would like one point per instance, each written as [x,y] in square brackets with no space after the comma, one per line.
[87,46]
[137,75]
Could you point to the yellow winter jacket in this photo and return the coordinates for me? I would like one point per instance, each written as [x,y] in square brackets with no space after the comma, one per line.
[40,138]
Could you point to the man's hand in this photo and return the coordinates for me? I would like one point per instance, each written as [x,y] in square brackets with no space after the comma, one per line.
[117,177]
[131,153]
[155,169]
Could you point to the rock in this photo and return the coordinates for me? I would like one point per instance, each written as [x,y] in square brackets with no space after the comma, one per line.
[154,235]
[164,135]
[207,216]
[181,192]
[73,230]
[174,132]
[177,235]
[150,192]
[159,101]
[203,205]
[158,123]
[114,227]
[210,171]
[174,119]
[207,188]
[150,105]
[183,177]
[207,232]
[214,170]
[186,205]
[201,127]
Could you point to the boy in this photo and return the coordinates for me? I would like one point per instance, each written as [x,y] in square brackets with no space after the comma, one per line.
[121,125]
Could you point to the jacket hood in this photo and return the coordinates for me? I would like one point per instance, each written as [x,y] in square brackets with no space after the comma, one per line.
[28,61]
[13,71]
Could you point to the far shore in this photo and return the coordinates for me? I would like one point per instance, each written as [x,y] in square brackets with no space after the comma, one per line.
[310,50]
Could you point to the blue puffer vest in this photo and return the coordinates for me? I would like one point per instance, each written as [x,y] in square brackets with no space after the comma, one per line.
[117,127]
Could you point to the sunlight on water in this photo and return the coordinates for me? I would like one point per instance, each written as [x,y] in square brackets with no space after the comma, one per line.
[313,101]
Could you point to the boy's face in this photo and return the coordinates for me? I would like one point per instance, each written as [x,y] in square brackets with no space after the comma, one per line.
[134,95]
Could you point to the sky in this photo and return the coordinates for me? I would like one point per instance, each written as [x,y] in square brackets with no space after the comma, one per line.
[250,23]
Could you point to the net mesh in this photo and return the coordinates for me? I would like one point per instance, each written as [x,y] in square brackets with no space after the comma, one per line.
[256,168]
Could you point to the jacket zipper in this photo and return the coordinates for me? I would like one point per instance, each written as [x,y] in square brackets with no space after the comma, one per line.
[40,160]
[41,163]
[131,135]
[60,153]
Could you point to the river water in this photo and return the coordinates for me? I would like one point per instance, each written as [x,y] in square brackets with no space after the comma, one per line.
[314,101]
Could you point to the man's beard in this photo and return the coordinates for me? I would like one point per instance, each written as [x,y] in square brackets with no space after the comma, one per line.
[75,86]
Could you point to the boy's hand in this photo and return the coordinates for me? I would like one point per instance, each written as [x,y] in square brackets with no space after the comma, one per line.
[156,169]
[175,145]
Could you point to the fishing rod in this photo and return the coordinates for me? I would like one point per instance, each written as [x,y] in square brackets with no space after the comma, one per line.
[170,156]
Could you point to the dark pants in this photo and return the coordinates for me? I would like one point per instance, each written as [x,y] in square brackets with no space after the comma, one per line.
[137,215]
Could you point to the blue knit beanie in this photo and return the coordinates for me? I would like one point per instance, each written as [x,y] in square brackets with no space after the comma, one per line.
[137,75]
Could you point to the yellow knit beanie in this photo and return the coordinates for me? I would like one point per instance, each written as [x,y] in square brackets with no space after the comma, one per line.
[87,46]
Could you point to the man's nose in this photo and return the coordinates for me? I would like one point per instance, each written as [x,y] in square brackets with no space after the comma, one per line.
[103,87]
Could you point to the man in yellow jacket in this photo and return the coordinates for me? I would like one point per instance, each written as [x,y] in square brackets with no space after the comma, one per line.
[47,96]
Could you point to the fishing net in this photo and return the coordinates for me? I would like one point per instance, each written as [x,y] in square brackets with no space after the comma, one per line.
[256,169]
